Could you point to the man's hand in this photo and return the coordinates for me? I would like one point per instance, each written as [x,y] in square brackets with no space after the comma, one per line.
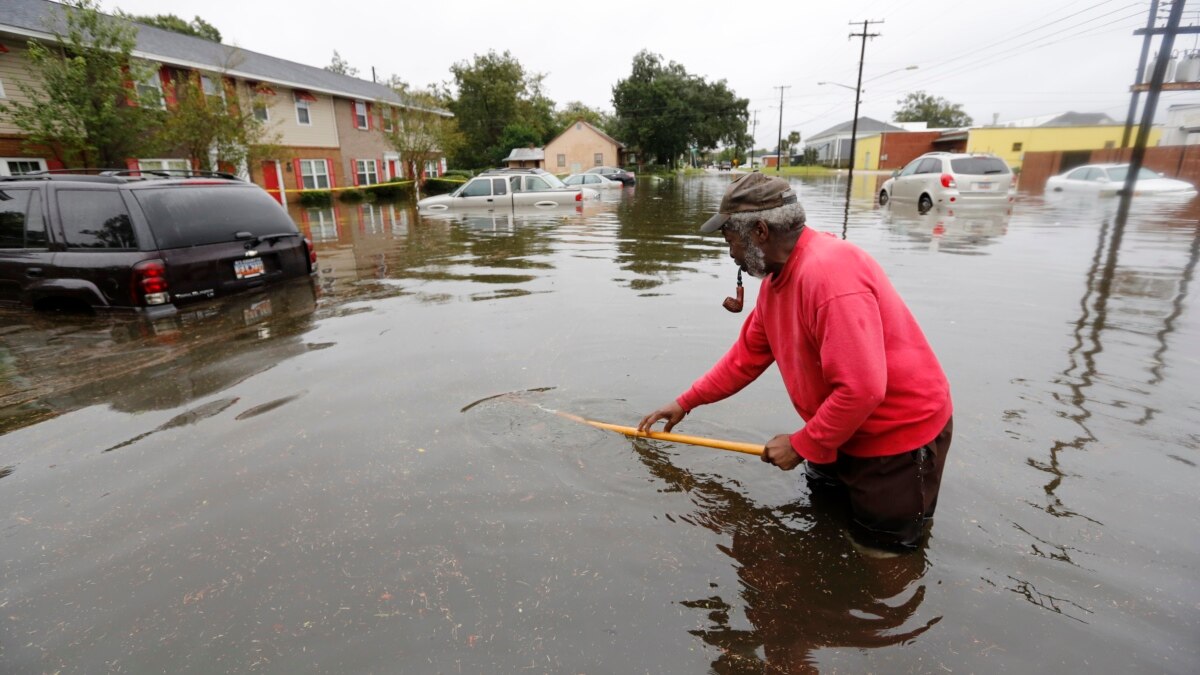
[671,412]
[780,453]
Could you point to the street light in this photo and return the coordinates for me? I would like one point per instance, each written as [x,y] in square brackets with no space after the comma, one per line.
[837,84]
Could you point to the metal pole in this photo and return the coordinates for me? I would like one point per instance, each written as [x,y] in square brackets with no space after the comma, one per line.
[779,141]
[1139,146]
[753,130]
[1141,68]
[854,125]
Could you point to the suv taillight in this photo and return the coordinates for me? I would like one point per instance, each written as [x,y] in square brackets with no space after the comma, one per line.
[150,283]
[579,196]
[948,181]
[312,255]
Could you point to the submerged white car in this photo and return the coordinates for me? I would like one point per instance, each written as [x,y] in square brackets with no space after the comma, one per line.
[1109,179]
[594,181]
[507,189]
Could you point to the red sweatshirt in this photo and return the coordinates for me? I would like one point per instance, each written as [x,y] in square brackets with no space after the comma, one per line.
[855,363]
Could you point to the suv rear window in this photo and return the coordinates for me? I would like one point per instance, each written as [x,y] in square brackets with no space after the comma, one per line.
[978,166]
[185,216]
[95,219]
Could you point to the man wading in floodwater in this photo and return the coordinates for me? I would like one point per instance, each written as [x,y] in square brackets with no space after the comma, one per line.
[856,365]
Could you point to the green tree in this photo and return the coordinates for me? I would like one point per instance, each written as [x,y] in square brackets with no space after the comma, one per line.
[494,94]
[196,28]
[341,66]
[214,124]
[421,130]
[790,142]
[664,111]
[81,103]
[576,110]
[919,106]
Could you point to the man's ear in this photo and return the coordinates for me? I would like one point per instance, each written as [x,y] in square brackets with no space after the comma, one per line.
[761,232]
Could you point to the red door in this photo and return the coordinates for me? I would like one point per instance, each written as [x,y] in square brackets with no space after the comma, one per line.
[271,180]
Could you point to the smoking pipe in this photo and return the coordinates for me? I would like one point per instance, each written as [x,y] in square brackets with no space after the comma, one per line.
[735,304]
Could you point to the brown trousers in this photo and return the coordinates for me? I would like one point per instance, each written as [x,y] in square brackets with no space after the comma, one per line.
[891,498]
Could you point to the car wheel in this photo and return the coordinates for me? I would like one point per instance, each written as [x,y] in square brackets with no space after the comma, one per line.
[883,198]
[924,204]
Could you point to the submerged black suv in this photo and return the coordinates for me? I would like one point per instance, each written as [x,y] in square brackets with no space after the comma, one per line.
[141,241]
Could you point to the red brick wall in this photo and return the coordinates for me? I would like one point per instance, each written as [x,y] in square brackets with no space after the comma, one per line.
[1174,161]
[14,146]
[900,148]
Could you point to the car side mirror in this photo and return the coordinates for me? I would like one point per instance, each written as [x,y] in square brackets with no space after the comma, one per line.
[895,172]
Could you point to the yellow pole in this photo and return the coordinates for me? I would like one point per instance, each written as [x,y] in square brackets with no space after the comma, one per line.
[733,446]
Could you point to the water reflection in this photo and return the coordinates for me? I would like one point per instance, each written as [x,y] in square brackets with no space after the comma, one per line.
[949,230]
[53,365]
[373,251]
[802,587]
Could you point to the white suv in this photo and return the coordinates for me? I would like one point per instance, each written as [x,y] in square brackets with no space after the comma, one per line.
[948,178]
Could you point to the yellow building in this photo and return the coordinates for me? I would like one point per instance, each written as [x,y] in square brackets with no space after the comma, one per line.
[1011,143]
[1007,143]
[866,152]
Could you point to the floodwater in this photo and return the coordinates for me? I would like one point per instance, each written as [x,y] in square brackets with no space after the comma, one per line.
[368,476]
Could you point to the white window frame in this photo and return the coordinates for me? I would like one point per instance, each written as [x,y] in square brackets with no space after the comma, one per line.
[214,84]
[2,94]
[302,104]
[312,165]
[366,171]
[256,105]
[153,82]
[361,112]
[432,167]
[5,171]
[161,163]
[386,114]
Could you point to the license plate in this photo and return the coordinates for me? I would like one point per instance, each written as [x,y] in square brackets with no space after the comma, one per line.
[258,311]
[985,185]
[248,268]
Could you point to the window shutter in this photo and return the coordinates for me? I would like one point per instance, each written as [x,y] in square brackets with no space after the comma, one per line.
[329,170]
[368,105]
[354,170]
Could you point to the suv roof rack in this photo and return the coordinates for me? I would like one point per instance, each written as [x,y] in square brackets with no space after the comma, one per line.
[529,169]
[117,175]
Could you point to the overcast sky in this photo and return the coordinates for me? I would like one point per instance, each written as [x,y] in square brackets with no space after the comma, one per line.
[1005,59]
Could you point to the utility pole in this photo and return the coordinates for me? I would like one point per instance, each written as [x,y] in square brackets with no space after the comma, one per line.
[779,142]
[753,130]
[1138,155]
[1141,68]
[854,126]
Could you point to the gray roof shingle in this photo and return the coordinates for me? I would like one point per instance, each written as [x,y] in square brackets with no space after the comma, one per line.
[40,18]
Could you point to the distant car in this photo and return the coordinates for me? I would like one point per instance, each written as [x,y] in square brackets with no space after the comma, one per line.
[626,177]
[948,178]
[509,188]
[147,242]
[594,181]
[1109,179]
[725,166]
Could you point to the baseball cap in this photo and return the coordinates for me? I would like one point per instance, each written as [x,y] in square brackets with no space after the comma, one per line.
[751,192]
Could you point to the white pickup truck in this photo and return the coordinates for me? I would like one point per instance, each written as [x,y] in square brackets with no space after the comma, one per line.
[509,188]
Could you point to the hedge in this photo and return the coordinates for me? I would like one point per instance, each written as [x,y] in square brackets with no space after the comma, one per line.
[437,186]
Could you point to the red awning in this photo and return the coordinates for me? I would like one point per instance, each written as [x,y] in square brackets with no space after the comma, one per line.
[302,95]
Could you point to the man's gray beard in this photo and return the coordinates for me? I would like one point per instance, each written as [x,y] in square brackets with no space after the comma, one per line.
[755,262]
